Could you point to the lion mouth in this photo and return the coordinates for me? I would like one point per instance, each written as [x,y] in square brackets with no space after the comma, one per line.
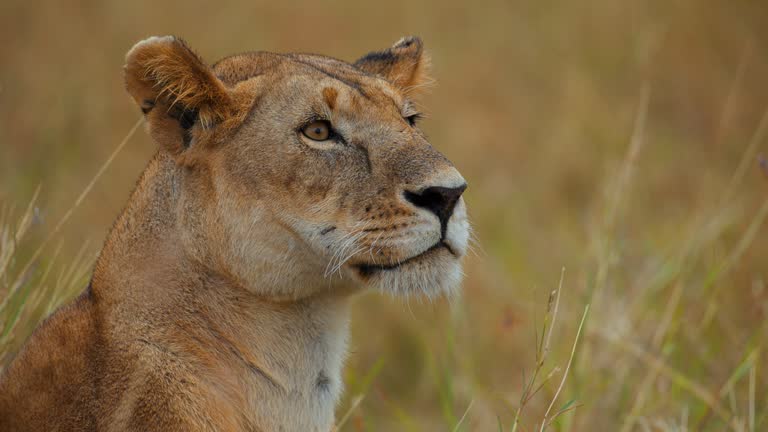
[369,269]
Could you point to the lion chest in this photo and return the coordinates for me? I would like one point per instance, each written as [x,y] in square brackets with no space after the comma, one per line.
[300,383]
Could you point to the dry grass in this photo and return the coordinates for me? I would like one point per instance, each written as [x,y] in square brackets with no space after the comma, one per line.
[617,139]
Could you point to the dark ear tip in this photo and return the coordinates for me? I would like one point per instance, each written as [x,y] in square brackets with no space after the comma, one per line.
[409,42]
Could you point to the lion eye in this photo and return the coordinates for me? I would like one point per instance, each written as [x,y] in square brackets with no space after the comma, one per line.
[319,130]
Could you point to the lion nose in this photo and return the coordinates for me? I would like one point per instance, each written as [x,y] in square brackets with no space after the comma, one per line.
[439,200]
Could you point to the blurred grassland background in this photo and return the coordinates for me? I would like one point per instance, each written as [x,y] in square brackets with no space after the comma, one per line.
[617,139]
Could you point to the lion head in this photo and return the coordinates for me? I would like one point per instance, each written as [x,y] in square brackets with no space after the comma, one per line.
[298,173]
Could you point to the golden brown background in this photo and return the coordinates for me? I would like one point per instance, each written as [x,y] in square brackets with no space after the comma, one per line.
[618,139]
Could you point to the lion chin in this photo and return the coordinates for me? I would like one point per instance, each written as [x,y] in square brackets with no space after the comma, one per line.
[437,272]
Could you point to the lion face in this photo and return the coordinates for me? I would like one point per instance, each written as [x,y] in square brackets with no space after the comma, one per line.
[301,173]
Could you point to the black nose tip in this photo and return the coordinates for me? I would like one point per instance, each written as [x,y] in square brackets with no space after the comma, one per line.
[437,199]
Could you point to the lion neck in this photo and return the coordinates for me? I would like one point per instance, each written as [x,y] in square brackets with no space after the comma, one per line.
[276,349]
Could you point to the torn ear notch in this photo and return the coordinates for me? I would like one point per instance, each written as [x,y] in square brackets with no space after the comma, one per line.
[146,106]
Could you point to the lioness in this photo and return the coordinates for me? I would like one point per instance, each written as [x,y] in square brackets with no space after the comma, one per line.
[283,184]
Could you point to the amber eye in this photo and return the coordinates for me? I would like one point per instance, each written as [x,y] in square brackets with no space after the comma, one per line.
[318,130]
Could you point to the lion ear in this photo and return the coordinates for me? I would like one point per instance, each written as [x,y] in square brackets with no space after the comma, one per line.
[405,65]
[175,90]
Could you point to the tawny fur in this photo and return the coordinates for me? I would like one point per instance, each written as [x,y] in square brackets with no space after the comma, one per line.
[219,301]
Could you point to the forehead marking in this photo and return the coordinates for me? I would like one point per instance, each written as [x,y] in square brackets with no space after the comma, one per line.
[330,94]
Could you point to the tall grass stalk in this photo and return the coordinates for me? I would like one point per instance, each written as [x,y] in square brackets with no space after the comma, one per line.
[27,294]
